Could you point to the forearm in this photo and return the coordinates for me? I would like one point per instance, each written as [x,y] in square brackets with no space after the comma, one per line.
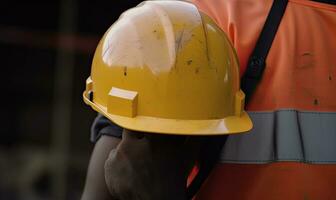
[95,186]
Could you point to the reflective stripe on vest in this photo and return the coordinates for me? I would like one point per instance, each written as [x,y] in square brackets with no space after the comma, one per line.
[285,135]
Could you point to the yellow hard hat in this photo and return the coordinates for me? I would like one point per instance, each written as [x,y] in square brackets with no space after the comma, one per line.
[165,67]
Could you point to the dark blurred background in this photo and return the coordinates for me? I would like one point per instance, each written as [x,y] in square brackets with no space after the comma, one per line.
[46,48]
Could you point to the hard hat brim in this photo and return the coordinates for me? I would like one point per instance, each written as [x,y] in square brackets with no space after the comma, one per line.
[228,125]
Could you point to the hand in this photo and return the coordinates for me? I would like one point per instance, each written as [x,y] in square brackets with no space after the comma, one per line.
[150,166]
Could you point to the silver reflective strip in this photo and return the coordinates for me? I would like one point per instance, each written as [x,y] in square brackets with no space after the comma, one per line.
[285,135]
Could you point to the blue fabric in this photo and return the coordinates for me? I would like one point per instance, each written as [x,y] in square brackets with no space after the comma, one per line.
[103,126]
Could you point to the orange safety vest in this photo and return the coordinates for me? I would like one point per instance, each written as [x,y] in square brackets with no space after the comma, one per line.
[291,151]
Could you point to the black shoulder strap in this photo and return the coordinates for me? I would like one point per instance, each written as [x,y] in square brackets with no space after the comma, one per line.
[257,60]
[212,145]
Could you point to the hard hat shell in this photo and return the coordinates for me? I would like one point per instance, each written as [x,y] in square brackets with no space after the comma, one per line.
[164,67]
